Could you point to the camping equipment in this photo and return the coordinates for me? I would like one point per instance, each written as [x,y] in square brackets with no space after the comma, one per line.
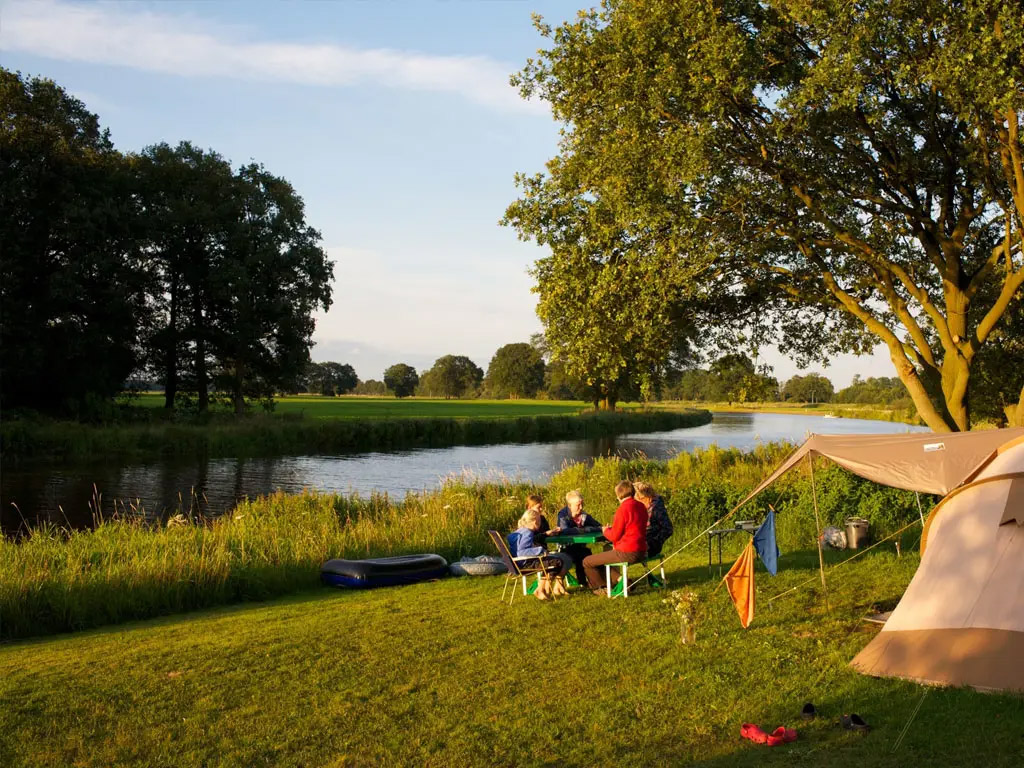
[858,532]
[484,565]
[383,571]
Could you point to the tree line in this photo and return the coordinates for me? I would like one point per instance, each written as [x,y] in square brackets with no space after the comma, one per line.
[826,177]
[167,263]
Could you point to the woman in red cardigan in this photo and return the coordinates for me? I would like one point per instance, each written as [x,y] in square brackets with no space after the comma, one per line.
[628,535]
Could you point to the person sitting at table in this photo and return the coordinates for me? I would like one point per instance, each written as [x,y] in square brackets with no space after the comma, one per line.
[628,535]
[522,542]
[533,501]
[572,516]
[659,525]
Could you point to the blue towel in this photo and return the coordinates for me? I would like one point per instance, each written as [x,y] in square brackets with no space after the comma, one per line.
[764,543]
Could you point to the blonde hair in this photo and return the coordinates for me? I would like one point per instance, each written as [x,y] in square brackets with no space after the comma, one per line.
[646,490]
[529,518]
[624,490]
[533,500]
[572,496]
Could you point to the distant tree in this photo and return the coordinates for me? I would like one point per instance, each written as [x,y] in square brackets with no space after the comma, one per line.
[516,370]
[401,379]
[880,390]
[451,376]
[736,378]
[371,387]
[812,388]
[73,278]
[331,378]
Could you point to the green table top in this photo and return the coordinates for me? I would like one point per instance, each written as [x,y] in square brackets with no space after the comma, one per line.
[576,538]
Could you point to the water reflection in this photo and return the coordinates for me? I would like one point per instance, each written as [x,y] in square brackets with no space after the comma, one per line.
[75,494]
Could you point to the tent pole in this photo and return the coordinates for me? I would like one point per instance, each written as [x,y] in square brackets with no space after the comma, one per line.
[919,510]
[820,542]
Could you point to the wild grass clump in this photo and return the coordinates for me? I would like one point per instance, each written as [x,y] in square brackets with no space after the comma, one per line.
[290,434]
[53,580]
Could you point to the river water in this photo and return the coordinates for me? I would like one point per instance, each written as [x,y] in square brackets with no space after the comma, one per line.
[71,494]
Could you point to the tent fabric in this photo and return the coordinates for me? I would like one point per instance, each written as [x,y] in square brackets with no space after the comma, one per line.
[922,461]
[961,620]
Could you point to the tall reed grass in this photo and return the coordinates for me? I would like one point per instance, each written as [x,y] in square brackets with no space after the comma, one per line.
[54,580]
[270,435]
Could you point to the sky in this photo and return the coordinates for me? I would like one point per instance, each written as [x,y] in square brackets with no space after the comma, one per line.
[394,121]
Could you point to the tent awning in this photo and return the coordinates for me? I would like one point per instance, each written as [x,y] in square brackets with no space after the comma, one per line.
[926,462]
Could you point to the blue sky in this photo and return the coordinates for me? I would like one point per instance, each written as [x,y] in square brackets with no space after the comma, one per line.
[393,120]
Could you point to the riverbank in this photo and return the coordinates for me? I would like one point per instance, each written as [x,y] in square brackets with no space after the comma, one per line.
[53,580]
[294,434]
[838,410]
[433,675]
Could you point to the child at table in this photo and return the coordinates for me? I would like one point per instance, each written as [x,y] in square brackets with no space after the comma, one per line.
[522,542]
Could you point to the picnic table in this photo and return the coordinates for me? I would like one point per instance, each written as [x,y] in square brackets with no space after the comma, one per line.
[575,536]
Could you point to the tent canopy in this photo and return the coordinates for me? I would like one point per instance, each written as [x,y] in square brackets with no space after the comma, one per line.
[926,462]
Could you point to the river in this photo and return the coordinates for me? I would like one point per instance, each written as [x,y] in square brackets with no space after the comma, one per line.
[70,494]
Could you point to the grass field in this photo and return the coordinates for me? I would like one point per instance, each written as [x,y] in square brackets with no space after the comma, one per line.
[839,410]
[357,407]
[443,674]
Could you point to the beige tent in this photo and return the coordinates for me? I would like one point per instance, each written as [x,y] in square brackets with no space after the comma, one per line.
[961,620]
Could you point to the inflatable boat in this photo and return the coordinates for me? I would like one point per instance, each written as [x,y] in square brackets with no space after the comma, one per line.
[383,571]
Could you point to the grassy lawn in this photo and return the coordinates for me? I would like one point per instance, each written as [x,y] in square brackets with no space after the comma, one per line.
[353,407]
[443,674]
[839,410]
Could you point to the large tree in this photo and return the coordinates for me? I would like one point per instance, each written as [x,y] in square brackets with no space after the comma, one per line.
[451,376]
[516,370]
[190,211]
[273,277]
[851,172]
[401,379]
[72,291]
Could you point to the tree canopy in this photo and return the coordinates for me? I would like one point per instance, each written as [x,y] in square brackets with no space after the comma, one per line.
[451,376]
[401,379]
[812,388]
[825,175]
[516,370]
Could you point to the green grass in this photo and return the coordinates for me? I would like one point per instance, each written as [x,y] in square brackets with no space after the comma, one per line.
[443,674]
[839,410]
[294,434]
[357,407]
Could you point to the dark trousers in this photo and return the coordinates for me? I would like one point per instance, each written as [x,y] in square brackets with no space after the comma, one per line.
[578,553]
[593,565]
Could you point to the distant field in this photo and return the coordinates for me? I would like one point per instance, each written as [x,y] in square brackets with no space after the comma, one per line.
[354,407]
[841,410]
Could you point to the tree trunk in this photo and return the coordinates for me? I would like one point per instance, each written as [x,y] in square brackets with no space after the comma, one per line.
[202,383]
[171,353]
[237,395]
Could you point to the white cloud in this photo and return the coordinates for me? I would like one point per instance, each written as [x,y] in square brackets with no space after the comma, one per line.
[122,35]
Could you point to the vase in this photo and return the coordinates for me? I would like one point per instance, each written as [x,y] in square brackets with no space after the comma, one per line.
[687,633]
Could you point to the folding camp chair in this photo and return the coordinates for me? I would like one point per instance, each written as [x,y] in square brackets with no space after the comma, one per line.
[520,568]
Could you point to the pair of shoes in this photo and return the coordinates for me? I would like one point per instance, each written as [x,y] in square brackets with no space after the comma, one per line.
[756,734]
[854,722]
[600,592]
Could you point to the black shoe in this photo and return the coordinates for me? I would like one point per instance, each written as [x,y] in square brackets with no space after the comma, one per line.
[854,722]
[808,712]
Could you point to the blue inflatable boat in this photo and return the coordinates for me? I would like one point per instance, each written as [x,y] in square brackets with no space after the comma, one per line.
[383,571]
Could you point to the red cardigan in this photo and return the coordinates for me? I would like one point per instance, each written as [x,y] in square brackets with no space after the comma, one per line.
[628,531]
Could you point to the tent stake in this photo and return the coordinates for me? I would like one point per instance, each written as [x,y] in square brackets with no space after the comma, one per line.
[820,542]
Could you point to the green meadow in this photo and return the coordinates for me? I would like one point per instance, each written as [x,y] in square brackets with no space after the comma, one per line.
[359,407]
[442,674]
[241,658]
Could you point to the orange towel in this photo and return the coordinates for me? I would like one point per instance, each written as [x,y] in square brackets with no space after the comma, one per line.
[740,583]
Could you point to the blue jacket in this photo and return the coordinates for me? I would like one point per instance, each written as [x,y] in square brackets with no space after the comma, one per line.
[660,526]
[565,520]
[522,544]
